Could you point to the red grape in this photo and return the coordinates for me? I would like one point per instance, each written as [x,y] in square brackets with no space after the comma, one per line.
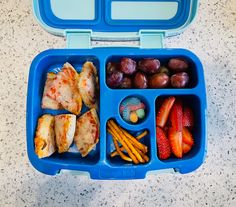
[179,80]
[140,80]
[159,80]
[178,64]
[111,67]
[127,66]
[115,79]
[126,83]
[149,65]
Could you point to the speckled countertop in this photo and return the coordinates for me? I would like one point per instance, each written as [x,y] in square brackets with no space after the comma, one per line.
[212,37]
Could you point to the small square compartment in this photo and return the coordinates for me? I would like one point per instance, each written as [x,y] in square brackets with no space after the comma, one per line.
[117,161]
[194,103]
[147,110]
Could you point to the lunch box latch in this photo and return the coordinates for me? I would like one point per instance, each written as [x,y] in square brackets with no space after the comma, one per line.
[151,39]
[78,39]
[82,39]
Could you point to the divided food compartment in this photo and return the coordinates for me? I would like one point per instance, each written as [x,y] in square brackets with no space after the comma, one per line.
[98,163]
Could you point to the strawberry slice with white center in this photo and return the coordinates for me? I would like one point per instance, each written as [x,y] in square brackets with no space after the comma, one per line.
[164,111]
[186,148]
[175,139]
[187,136]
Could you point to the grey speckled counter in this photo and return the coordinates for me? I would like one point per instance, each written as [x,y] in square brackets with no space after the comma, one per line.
[212,37]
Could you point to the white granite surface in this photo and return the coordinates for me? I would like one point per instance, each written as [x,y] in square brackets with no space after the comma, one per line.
[212,37]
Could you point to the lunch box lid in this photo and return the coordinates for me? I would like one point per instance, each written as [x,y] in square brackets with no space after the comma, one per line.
[123,20]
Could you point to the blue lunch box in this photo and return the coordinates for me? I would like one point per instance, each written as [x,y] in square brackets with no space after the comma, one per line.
[134,20]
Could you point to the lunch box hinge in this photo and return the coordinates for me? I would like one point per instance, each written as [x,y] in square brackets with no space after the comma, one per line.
[151,39]
[78,39]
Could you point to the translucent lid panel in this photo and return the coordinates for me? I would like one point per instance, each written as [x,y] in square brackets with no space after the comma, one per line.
[147,10]
[60,9]
[115,15]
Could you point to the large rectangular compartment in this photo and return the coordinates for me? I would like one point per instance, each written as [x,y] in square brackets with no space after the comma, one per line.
[98,163]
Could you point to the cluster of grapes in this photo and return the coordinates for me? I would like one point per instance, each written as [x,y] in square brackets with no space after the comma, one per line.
[147,73]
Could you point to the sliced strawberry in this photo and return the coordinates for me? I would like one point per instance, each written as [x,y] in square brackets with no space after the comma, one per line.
[165,129]
[164,111]
[175,139]
[188,118]
[186,148]
[162,144]
[176,116]
[187,136]
[168,122]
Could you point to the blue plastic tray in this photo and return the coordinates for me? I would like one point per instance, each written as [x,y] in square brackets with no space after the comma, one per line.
[98,163]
